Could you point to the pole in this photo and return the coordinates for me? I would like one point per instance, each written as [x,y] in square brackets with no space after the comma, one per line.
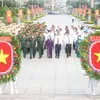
[2,3]
[52,5]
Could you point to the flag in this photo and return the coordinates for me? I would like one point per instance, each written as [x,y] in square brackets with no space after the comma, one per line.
[85,7]
[96,13]
[94,55]
[80,11]
[9,16]
[32,10]
[6,57]
[84,12]
[36,10]
[89,11]
[20,12]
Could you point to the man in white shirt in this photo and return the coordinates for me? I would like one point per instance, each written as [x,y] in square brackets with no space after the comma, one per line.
[68,41]
[57,43]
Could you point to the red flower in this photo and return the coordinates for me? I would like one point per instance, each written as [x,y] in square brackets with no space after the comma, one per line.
[11,73]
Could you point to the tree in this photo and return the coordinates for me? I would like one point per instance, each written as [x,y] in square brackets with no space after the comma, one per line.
[98,6]
[35,2]
[9,3]
[77,4]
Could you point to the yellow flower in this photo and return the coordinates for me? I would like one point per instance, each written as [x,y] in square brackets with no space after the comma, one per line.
[14,48]
[15,68]
[7,76]
[89,70]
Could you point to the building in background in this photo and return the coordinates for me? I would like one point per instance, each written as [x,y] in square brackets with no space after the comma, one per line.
[56,3]
[60,3]
[94,3]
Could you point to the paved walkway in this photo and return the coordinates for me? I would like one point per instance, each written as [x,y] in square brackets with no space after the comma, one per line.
[45,76]
[51,79]
[48,97]
[52,76]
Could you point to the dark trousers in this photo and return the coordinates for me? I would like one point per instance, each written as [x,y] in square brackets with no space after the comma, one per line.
[32,52]
[73,45]
[40,50]
[57,50]
[68,50]
[24,51]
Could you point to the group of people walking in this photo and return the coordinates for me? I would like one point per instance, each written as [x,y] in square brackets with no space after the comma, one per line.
[69,39]
[47,39]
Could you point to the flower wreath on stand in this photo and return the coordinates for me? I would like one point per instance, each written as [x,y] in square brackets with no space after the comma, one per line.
[84,57]
[10,57]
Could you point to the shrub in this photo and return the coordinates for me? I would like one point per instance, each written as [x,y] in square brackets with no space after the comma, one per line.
[3,11]
[15,18]
[95,27]
[28,22]
[90,22]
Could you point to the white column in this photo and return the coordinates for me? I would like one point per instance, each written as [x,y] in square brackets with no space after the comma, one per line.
[53,4]
[34,15]
[89,18]
[83,16]
[0,89]
[11,88]
[28,17]
[92,4]
[2,3]
[98,21]
[18,19]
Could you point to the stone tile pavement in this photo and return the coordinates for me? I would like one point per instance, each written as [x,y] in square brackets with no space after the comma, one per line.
[48,97]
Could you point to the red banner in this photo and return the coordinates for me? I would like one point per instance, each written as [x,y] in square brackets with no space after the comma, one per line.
[84,12]
[32,10]
[89,11]
[36,10]
[94,38]
[75,9]
[20,12]
[96,14]
[6,38]
[6,57]
[41,10]
[80,11]
[9,16]
[85,7]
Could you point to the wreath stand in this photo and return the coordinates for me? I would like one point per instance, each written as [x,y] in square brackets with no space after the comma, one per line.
[12,86]
[8,76]
[92,84]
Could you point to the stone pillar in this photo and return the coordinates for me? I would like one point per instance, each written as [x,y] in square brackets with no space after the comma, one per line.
[38,15]
[83,16]
[0,89]
[18,22]
[34,14]
[89,18]
[98,21]
[28,17]
[76,13]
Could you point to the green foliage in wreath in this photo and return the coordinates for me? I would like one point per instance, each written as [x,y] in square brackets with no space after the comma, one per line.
[11,76]
[84,51]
